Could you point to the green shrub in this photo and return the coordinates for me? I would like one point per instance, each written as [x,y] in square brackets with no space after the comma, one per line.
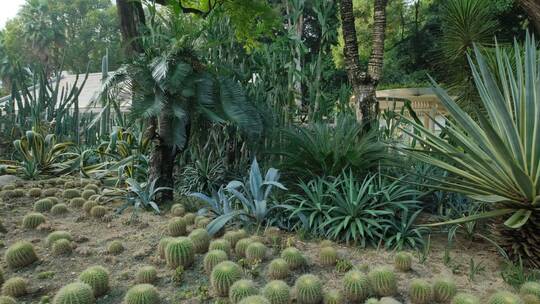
[403,261]
[333,297]
[77,202]
[177,226]
[162,245]
[178,210]
[223,276]
[7,300]
[189,218]
[180,252]
[530,288]
[98,278]
[328,256]
[293,257]
[241,246]
[383,281]
[86,194]
[256,252]
[200,239]
[59,209]
[146,275]
[444,290]
[98,212]
[20,254]
[356,286]
[71,193]
[465,298]
[277,292]
[504,297]
[241,289]
[88,205]
[220,244]
[212,258]
[254,300]
[308,289]
[142,294]
[115,248]
[57,235]
[420,292]
[32,220]
[14,287]
[278,269]
[61,247]
[43,205]
[34,192]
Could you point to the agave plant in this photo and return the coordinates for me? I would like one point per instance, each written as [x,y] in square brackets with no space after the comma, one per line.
[495,160]
[142,195]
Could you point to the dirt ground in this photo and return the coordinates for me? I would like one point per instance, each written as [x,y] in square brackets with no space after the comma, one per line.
[140,239]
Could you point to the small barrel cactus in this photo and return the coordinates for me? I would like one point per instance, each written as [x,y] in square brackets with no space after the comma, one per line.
[328,256]
[7,300]
[356,286]
[200,239]
[98,212]
[293,257]
[223,276]
[403,261]
[277,292]
[61,247]
[308,289]
[530,288]
[8,187]
[59,209]
[220,244]
[43,205]
[98,278]
[420,292]
[32,220]
[146,275]
[202,223]
[383,281]
[180,252]
[504,297]
[232,236]
[53,199]
[256,252]
[333,297]
[34,192]
[50,192]
[178,210]
[465,298]
[254,300]
[14,287]
[20,254]
[278,269]
[71,193]
[189,218]
[92,187]
[212,258]
[88,206]
[177,226]
[241,246]
[142,294]
[444,290]
[77,202]
[162,245]
[86,194]
[58,235]
[242,289]
[115,248]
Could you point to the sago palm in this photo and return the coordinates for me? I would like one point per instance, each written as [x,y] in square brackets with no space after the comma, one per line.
[497,159]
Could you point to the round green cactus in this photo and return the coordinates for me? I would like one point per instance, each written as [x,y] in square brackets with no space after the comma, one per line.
[530,288]
[59,209]
[77,202]
[180,252]
[61,247]
[256,252]
[95,198]
[98,212]
[420,292]
[277,292]
[383,281]
[233,237]
[8,187]
[504,297]
[162,245]
[98,278]
[278,269]
[444,290]
[146,275]
[43,205]
[223,276]
[308,289]
[71,193]
[293,257]
[7,195]
[212,258]
[189,218]
[200,219]
[32,220]
[202,223]
[53,199]
[333,297]
[20,254]
[115,248]
[254,300]
[58,235]
[14,287]
[177,226]
[86,194]
[142,294]
[241,246]
[18,193]
[220,244]
[403,261]
[355,286]
[88,206]
[34,192]
[465,298]
[92,187]
[241,289]
[7,300]
[200,239]
[328,256]
[178,210]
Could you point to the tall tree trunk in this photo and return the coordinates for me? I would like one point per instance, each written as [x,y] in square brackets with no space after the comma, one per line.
[162,156]
[131,15]
[532,7]
[364,83]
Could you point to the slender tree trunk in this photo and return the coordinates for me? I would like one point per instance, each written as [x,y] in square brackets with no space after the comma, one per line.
[532,7]
[131,15]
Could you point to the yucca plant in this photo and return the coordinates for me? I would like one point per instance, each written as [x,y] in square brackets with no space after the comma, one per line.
[497,159]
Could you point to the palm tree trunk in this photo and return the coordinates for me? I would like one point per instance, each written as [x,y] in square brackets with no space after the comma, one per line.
[532,7]
[131,15]
[161,163]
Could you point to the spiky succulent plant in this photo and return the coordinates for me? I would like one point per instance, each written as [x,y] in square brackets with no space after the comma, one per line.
[241,246]
[242,289]
[202,223]
[32,220]
[98,278]
[293,257]
[383,281]
[277,292]
[444,290]
[220,244]
[98,212]
[180,252]
[86,194]
[7,300]
[75,293]
[178,210]
[59,209]
[14,287]
[92,187]
[420,292]
[223,276]
[34,192]
[233,237]
[530,288]
[212,258]
[403,261]
[190,218]
[278,269]
[20,254]
[57,235]
[200,239]
[71,193]
[328,256]
[162,245]
[504,297]
[355,286]
[308,289]
[115,248]
[256,252]
[8,187]
[465,298]
[61,247]
[43,205]
[77,202]
[146,275]
[142,294]
[254,300]
[333,297]
[177,226]
[53,199]
[88,206]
